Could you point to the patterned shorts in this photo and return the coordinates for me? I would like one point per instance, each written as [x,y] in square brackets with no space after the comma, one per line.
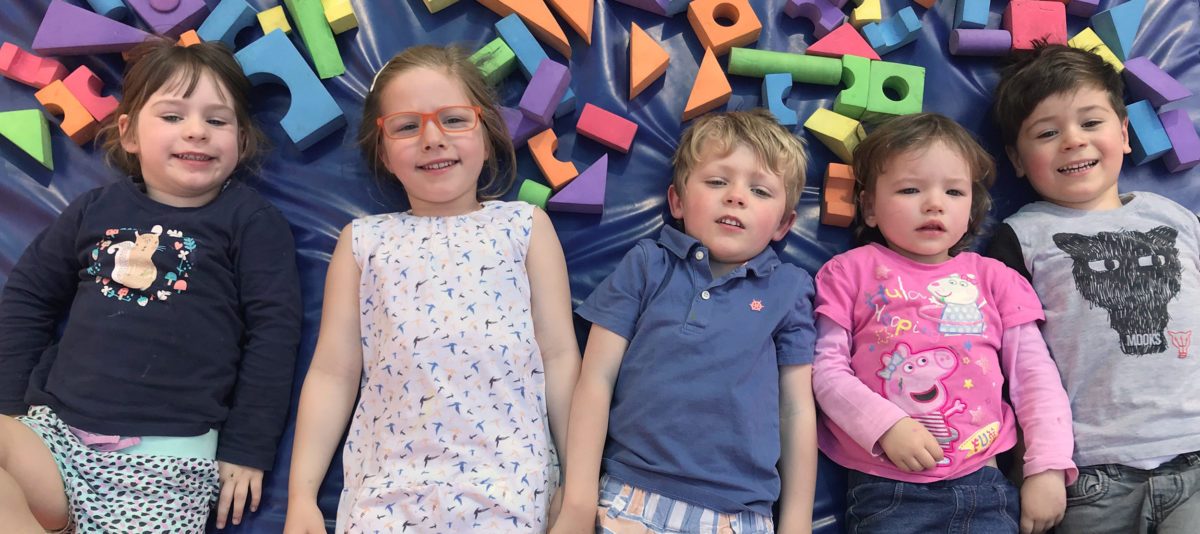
[111,492]
[625,509]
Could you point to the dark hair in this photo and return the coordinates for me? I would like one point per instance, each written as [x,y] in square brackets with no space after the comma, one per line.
[909,133]
[454,61]
[160,64]
[1048,70]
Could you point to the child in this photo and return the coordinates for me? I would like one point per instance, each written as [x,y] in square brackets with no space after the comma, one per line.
[451,322]
[917,341]
[1119,280]
[701,344]
[175,363]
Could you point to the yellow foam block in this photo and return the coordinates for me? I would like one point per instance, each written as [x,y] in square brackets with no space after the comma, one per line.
[868,11]
[1088,40]
[340,15]
[838,132]
[273,19]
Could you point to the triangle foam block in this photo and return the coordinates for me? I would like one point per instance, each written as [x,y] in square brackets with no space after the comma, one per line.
[585,194]
[578,14]
[844,40]
[647,60]
[539,19]
[70,30]
[710,90]
[28,129]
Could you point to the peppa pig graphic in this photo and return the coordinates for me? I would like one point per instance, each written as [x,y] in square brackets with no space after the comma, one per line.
[914,383]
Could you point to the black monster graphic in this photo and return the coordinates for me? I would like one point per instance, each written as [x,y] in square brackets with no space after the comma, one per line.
[1132,275]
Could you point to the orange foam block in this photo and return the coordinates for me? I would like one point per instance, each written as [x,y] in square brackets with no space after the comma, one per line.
[607,128]
[189,38]
[27,68]
[86,87]
[927,4]
[704,16]
[557,173]
[647,60]
[539,19]
[837,201]
[711,88]
[578,14]
[78,124]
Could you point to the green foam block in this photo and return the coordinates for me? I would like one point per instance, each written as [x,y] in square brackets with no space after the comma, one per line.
[28,129]
[495,61]
[309,17]
[806,69]
[534,193]
[856,75]
[905,81]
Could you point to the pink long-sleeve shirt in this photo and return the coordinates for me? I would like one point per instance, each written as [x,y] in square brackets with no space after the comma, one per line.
[936,343]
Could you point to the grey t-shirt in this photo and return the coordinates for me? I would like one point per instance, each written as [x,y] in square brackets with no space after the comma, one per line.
[1121,291]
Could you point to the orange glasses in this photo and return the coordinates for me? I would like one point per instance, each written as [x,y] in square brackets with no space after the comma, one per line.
[449,119]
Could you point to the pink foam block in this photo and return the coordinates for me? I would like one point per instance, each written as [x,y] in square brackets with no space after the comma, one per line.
[170,17]
[968,42]
[27,68]
[1185,143]
[584,194]
[824,14]
[520,127]
[607,128]
[86,87]
[1034,20]
[545,90]
[69,30]
[1148,82]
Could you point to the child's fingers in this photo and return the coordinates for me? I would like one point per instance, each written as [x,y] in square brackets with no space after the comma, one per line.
[239,499]
[224,501]
[255,492]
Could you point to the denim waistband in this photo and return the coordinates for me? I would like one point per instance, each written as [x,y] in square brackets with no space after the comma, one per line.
[984,476]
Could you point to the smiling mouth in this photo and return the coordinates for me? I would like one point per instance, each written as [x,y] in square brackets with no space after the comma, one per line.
[438,165]
[194,157]
[730,221]
[1078,167]
[932,227]
[926,396]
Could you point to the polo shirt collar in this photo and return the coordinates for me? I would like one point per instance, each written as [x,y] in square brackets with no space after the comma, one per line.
[681,245]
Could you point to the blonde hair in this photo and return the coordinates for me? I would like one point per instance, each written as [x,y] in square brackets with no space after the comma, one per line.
[455,63]
[776,148]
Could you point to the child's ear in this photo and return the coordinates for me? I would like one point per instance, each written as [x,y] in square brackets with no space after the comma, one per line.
[675,201]
[784,225]
[128,142]
[1015,158]
[1125,134]
[866,203]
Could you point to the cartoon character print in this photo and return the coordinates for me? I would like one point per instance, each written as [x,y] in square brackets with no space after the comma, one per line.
[134,276]
[1132,275]
[959,299]
[913,381]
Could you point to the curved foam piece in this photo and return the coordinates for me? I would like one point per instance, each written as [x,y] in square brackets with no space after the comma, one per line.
[824,15]
[856,76]
[31,70]
[893,32]
[86,87]
[775,88]
[77,123]
[803,68]
[557,172]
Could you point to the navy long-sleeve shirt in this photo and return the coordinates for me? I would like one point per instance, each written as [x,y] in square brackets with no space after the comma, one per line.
[181,320]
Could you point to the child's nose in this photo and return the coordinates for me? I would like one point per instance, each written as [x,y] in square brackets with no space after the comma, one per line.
[735,198]
[196,129]
[431,135]
[1072,138]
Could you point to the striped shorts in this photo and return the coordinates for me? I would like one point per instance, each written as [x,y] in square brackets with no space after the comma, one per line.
[625,509]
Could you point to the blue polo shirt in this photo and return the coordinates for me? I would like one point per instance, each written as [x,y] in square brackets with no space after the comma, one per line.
[695,409]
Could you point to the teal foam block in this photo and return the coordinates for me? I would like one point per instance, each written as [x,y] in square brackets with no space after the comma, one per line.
[1147,136]
[313,113]
[1118,26]
[226,20]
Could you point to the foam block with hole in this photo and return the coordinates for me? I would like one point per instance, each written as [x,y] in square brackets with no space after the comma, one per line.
[313,113]
[906,81]
[226,20]
[704,15]
[77,123]
[775,88]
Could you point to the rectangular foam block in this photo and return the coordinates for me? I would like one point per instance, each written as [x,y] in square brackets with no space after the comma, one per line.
[31,70]
[545,91]
[495,61]
[529,54]
[839,133]
[309,16]
[1185,143]
[274,19]
[1147,136]
[607,128]
[1033,20]
[837,198]
[972,14]
[1147,81]
[520,127]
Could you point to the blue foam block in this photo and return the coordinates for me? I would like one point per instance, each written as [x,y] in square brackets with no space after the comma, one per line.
[774,88]
[1147,137]
[529,55]
[971,13]
[313,113]
[1118,26]
[226,20]
[893,32]
[113,9]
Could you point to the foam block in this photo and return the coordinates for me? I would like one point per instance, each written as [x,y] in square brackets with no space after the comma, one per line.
[775,88]
[647,60]
[226,20]
[495,61]
[585,194]
[868,11]
[1088,40]
[309,17]
[837,199]
[170,18]
[856,76]
[545,91]
[840,133]
[534,193]
[529,54]
[77,123]
[437,5]
[1147,136]
[340,15]
[905,81]
[1185,144]
[607,128]
[703,15]
[842,41]
[274,19]
[313,114]
[927,4]
[710,89]
[824,15]
[1118,26]
[893,32]
[1146,81]
[968,42]
[666,8]
[113,9]
[557,173]
[70,30]
[1032,20]
[86,87]
[803,68]
[29,131]
[971,13]
[578,14]
[541,22]
[31,70]
[188,38]
[1082,8]
[520,127]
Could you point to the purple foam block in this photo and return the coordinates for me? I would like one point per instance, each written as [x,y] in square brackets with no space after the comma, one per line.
[825,15]
[666,8]
[1185,143]
[170,18]
[1083,8]
[584,194]
[545,90]
[969,42]
[69,30]
[520,127]
[1148,82]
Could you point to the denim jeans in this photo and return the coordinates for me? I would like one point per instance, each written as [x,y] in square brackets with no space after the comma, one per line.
[1117,499]
[982,502]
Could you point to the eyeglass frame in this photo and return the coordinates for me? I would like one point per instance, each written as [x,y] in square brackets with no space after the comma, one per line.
[426,117]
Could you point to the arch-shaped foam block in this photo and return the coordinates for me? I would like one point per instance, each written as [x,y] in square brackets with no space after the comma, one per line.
[824,15]
[226,20]
[77,123]
[775,88]
[894,32]
[557,172]
[31,70]
[86,87]
[856,76]
[312,114]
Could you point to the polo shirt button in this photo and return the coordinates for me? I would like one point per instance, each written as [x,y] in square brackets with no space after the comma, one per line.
[699,255]
[704,294]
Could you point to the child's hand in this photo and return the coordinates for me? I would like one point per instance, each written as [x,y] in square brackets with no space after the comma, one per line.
[1043,501]
[304,517]
[236,482]
[910,446]
[574,520]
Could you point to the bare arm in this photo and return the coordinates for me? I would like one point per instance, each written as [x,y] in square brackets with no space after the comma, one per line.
[332,381]
[798,440]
